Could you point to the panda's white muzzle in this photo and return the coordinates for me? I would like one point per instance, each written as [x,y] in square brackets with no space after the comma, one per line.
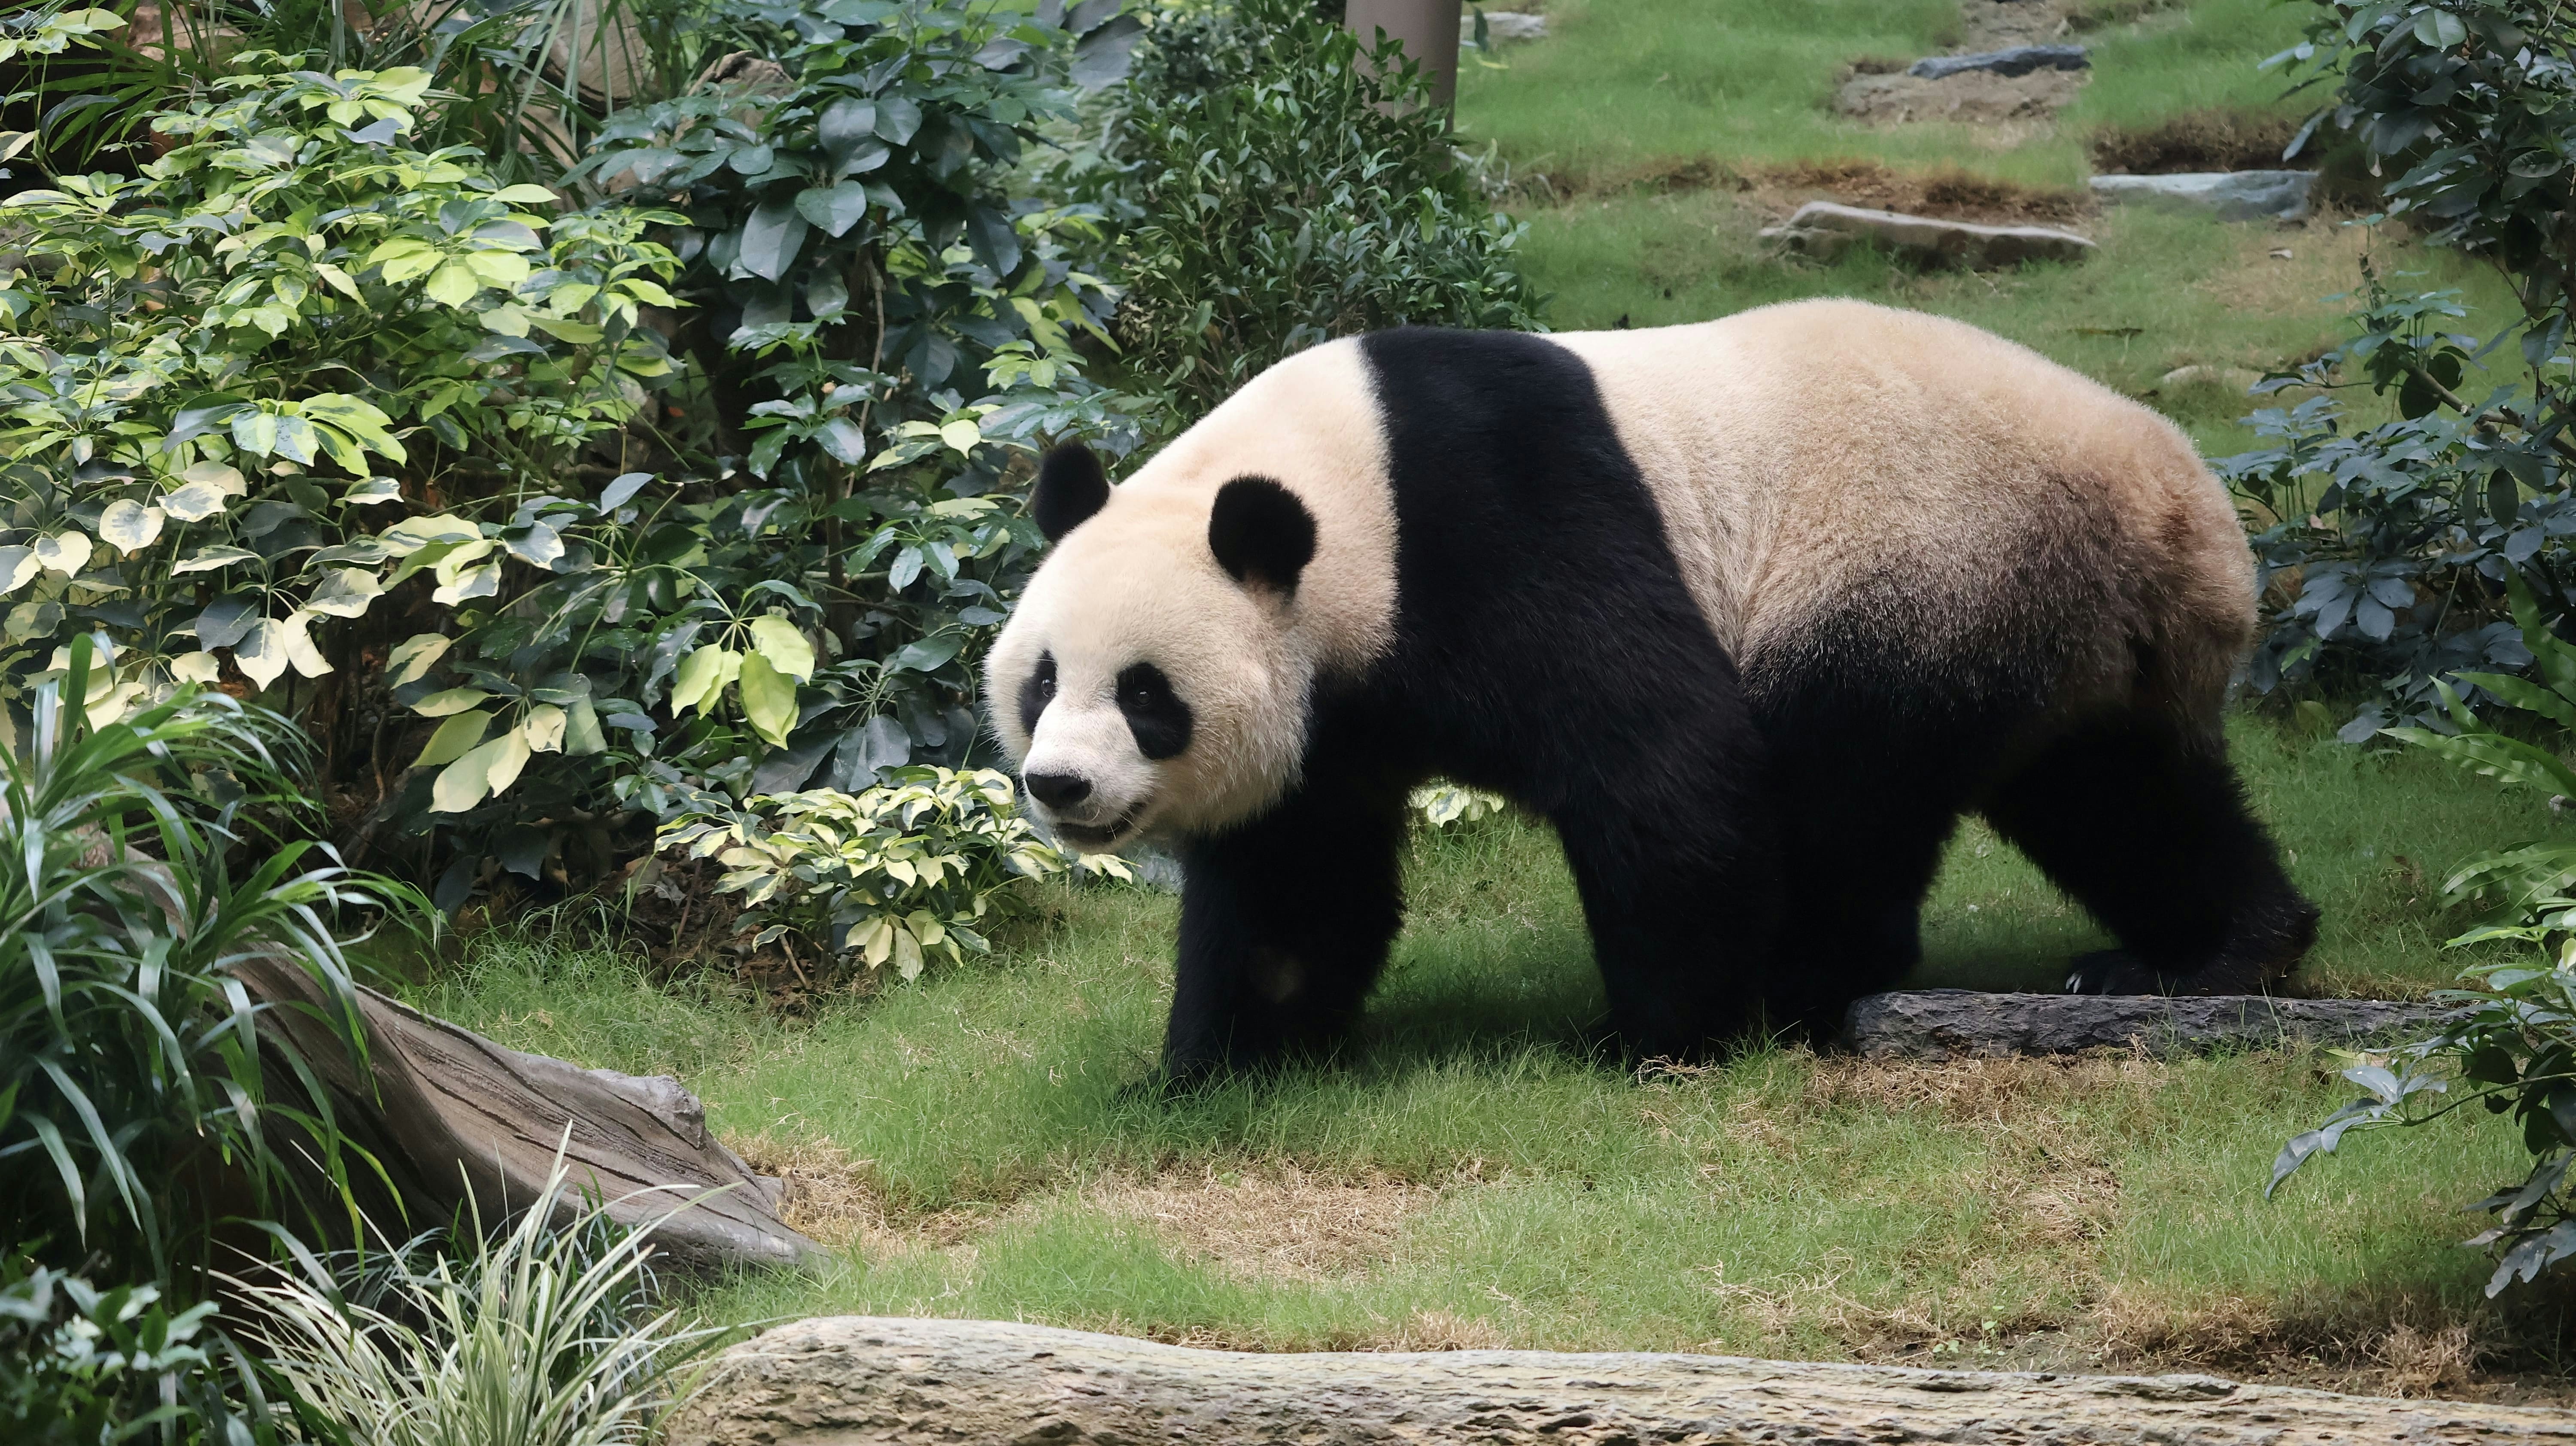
[1092,788]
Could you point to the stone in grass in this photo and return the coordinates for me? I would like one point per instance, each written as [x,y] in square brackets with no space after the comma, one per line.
[1825,229]
[1502,25]
[2018,60]
[1939,1024]
[2234,195]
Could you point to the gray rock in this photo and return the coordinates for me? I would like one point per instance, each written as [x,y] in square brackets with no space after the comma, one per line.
[2018,60]
[1973,1024]
[1503,25]
[862,1381]
[2234,195]
[1825,229]
[1157,868]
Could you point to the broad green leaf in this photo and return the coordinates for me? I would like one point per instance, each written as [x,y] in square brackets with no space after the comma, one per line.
[227,480]
[502,757]
[582,735]
[207,559]
[834,208]
[504,269]
[194,502]
[525,194]
[262,652]
[784,645]
[961,435]
[472,582]
[129,526]
[463,783]
[294,634]
[543,728]
[768,699]
[453,738]
[453,700]
[66,552]
[345,593]
[198,667]
[255,432]
[702,677]
[770,240]
[412,658]
[453,284]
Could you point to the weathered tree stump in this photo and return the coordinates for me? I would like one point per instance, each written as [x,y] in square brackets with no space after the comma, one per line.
[451,1115]
[867,1381]
[1972,1024]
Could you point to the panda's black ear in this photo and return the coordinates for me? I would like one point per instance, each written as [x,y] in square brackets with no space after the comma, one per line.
[1070,488]
[1261,533]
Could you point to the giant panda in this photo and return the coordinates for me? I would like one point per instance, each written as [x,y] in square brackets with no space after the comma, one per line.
[1751,611]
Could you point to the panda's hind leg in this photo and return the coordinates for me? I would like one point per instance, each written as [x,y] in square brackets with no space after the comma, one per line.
[2143,821]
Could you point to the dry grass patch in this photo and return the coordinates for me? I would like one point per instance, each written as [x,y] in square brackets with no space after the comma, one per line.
[826,1195]
[1276,1222]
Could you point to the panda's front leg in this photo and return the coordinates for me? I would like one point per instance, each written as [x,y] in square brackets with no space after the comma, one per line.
[1285,925]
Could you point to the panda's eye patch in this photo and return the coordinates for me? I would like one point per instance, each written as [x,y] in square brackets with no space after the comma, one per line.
[1155,714]
[1037,692]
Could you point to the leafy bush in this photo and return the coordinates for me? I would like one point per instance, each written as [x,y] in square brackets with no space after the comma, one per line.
[901,872]
[2515,1037]
[1290,185]
[80,1365]
[132,1070]
[211,365]
[2388,547]
[530,1334]
[898,330]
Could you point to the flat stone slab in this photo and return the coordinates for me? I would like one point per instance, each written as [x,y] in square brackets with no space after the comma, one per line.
[2017,60]
[1825,229]
[875,1381]
[1503,25]
[2234,195]
[1941,1024]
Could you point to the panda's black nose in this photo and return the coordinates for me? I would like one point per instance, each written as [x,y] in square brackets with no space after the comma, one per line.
[1058,790]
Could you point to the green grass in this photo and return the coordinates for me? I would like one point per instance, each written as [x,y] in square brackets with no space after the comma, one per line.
[973,1141]
[1473,1170]
[1617,86]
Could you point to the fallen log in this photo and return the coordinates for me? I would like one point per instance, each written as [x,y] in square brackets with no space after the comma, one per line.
[869,1381]
[453,1116]
[1972,1024]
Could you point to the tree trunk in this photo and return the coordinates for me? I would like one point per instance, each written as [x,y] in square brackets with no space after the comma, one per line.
[861,1381]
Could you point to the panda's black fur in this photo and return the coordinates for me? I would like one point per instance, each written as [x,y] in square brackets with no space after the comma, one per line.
[1746,860]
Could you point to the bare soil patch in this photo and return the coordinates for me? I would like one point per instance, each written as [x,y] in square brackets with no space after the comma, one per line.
[2201,140]
[1876,89]
[1950,194]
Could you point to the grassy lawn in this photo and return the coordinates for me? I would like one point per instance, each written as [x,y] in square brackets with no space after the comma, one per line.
[1473,1171]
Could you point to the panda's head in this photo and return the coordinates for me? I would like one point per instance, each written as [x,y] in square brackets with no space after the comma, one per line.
[1154,677]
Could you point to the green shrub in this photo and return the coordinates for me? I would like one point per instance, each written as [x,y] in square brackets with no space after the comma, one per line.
[133,1075]
[1290,185]
[81,1366]
[2514,1040]
[899,873]
[2385,549]
[529,1334]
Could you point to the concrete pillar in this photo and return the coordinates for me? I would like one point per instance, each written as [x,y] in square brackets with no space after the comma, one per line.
[1428,28]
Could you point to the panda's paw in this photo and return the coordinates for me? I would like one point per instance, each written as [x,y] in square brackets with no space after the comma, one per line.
[2115,971]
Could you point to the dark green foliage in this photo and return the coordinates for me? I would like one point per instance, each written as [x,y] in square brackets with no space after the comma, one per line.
[1289,186]
[136,1091]
[888,335]
[2514,1041]
[2402,535]
[81,1366]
